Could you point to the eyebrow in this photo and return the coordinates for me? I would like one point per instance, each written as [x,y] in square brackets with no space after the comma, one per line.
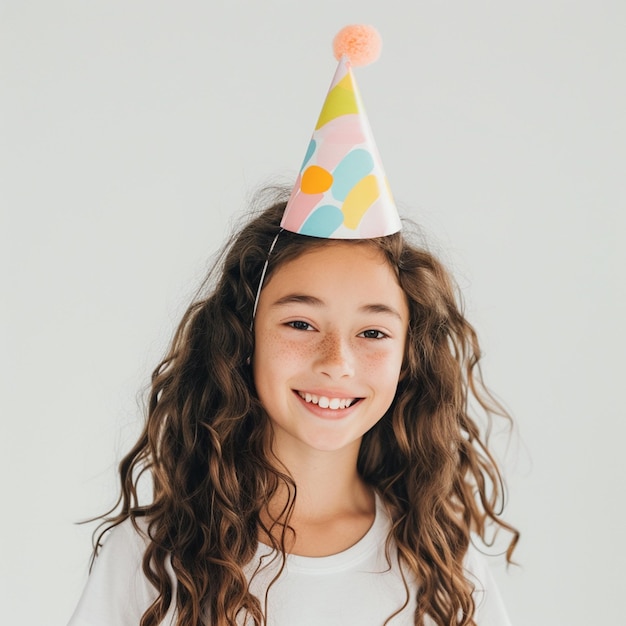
[301,298]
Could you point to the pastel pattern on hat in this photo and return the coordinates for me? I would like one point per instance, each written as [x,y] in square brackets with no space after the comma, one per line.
[342,178]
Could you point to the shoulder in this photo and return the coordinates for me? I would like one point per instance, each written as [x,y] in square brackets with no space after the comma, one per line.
[127,538]
[131,532]
[122,550]
[117,591]
[490,609]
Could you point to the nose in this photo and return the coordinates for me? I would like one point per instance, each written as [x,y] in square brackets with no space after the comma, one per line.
[335,358]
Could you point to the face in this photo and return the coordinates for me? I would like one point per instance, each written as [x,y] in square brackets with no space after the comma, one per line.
[330,332]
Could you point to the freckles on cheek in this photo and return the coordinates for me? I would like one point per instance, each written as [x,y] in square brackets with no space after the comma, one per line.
[275,344]
[294,352]
[381,363]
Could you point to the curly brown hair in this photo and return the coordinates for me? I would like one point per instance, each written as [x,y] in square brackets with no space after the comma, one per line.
[206,443]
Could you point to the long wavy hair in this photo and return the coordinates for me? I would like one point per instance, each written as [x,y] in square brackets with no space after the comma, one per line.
[206,444]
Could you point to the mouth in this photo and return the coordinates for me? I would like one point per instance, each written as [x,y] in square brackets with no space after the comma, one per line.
[325,402]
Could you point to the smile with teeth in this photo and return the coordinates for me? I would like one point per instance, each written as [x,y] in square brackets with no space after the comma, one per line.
[327,403]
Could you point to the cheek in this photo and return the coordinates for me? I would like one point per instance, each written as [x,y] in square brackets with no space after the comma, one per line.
[275,351]
[382,369]
[383,362]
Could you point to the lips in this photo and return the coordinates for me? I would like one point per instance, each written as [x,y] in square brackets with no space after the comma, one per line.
[325,402]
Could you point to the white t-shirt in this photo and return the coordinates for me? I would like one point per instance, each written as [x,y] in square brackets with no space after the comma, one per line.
[355,586]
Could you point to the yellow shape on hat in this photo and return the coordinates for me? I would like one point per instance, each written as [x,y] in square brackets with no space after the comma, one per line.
[341,100]
[360,198]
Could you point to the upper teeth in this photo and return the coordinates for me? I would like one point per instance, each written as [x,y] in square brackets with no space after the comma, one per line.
[326,403]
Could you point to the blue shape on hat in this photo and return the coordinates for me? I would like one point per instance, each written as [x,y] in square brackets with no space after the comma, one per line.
[323,222]
[356,165]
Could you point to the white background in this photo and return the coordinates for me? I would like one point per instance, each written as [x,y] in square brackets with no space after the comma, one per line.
[131,134]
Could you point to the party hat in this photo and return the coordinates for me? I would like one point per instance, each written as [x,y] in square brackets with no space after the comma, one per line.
[342,191]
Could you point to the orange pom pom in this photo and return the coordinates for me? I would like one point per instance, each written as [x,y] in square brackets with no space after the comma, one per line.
[359,42]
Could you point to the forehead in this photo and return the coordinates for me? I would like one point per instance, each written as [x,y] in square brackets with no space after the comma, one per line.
[338,271]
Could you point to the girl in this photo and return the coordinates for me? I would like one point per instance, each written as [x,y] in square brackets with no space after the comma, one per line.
[333,437]
[311,449]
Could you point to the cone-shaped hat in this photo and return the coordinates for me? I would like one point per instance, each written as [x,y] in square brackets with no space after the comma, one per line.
[342,191]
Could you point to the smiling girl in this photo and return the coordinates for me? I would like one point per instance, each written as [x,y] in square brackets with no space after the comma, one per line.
[312,454]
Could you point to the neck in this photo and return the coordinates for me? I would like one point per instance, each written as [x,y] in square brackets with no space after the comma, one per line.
[327,483]
[334,507]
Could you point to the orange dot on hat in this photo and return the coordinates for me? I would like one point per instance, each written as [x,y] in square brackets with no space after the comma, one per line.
[316,179]
[359,42]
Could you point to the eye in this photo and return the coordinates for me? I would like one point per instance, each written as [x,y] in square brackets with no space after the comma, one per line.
[371,333]
[300,325]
